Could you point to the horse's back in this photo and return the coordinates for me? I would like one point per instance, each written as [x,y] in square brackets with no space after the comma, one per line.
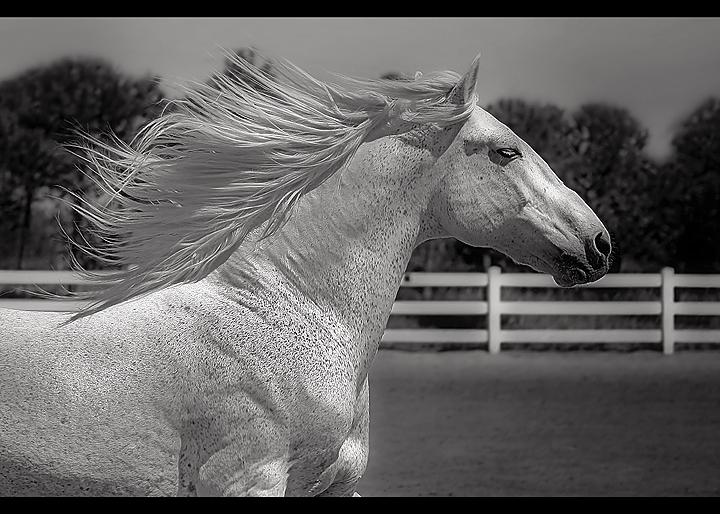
[78,414]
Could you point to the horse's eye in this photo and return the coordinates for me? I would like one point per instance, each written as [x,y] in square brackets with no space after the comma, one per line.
[508,153]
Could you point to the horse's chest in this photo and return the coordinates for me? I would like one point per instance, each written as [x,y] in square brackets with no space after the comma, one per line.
[298,377]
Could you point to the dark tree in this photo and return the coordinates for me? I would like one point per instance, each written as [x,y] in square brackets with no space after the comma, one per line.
[253,57]
[40,111]
[27,157]
[612,173]
[692,179]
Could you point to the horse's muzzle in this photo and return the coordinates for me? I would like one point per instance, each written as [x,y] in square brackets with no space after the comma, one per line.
[575,270]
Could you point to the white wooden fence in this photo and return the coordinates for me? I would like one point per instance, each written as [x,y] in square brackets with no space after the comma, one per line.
[493,307]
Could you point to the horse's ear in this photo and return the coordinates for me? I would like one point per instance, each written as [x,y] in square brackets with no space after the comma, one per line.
[466,85]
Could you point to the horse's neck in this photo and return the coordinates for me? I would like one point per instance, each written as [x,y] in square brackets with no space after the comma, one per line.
[348,242]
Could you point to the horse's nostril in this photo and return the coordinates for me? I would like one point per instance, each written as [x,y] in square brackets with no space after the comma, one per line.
[597,250]
[602,243]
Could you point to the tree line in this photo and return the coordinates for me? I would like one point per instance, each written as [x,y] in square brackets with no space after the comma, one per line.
[659,213]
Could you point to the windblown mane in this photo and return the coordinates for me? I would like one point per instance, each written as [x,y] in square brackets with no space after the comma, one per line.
[230,156]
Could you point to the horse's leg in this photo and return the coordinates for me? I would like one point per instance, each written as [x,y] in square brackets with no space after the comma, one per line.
[250,459]
[353,455]
[224,474]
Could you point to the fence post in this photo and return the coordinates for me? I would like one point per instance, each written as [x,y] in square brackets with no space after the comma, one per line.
[493,315]
[668,310]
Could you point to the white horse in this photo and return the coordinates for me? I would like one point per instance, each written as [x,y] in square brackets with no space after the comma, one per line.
[262,239]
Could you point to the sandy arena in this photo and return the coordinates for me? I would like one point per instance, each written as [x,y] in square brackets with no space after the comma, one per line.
[522,423]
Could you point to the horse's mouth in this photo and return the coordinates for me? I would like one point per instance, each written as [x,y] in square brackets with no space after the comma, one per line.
[572,272]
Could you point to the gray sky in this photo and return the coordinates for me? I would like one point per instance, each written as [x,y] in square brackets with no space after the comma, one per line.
[658,68]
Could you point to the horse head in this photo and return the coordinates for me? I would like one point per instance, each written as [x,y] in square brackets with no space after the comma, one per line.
[494,190]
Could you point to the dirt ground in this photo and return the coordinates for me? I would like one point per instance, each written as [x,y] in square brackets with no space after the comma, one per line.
[521,423]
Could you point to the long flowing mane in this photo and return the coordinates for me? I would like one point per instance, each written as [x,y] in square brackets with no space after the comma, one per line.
[231,155]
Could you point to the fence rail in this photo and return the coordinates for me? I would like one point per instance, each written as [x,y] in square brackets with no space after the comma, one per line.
[494,308]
